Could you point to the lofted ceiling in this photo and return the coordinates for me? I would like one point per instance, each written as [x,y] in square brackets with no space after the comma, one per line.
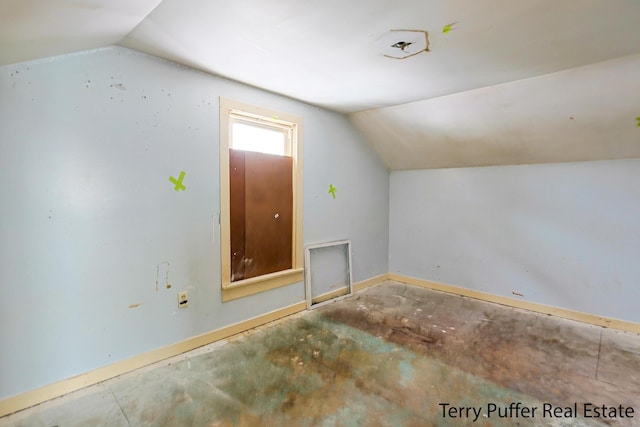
[481,95]
[581,114]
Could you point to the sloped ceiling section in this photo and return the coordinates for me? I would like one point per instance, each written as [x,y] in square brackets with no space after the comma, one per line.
[586,113]
[31,29]
[455,105]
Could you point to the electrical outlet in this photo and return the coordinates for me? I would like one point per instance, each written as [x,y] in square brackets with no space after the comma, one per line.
[183,299]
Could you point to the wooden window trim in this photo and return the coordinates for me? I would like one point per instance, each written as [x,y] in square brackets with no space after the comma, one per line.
[233,290]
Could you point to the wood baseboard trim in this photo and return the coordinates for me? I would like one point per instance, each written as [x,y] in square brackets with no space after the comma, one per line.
[330,295]
[593,319]
[60,388]
[370,282]
[356,287]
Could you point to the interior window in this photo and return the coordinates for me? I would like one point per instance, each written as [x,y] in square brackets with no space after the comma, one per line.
[261,227]
[249,136]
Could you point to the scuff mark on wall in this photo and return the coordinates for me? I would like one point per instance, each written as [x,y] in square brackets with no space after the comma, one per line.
[162,270]
[136,305]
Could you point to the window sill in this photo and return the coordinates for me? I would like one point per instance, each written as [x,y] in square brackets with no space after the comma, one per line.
[254,285]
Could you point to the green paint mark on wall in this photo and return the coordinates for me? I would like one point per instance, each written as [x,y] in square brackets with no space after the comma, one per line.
[447,28]
[638,120]
[332,190]
[178,182]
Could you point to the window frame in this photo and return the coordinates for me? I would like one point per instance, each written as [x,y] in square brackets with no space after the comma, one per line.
[230,111]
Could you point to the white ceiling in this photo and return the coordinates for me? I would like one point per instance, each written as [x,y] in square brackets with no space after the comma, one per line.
[331,53]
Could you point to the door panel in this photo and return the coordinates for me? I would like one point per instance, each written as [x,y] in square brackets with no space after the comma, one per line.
[264,241]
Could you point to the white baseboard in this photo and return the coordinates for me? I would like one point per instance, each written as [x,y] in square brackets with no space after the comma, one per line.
[593,319]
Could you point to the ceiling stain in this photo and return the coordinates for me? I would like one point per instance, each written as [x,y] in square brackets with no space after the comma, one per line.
[403,45]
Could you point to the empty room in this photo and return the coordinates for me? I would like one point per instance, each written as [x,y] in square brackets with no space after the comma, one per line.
[337,213]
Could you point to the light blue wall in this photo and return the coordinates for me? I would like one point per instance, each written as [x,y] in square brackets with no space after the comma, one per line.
[565,235]
[87,213]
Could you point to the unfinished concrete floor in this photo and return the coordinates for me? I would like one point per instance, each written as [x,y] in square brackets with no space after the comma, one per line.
[393,355]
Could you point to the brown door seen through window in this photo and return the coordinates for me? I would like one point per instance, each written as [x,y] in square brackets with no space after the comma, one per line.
[261,213]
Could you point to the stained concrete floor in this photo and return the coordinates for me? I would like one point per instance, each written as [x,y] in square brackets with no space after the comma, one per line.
[393,355]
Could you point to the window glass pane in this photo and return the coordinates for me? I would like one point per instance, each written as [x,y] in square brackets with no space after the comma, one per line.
[254,138]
